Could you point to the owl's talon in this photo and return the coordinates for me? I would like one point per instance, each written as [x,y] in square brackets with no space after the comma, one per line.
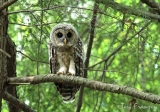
[72,74]
[60,73]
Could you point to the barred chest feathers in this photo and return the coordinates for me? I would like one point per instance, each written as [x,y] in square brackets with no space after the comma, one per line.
[66,57]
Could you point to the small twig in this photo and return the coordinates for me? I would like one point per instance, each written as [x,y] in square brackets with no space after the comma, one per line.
[6,4]
[4,52]
[31,58]
[49,4]
[118,48]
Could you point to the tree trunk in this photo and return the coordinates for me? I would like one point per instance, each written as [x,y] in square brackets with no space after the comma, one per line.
[11,70]
[7,58]
[3,63]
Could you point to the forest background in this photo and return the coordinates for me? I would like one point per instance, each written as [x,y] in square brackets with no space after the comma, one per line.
[121,41]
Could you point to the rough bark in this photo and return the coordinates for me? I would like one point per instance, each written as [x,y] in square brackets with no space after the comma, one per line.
[11,70]
[153,5]
[3,32]
[6,4]
[7,54]
[86,83]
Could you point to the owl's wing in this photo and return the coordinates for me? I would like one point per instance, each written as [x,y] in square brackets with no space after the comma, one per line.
[53,59]
[79,58]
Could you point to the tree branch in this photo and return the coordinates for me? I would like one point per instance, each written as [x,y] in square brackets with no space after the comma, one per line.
[91,37]
[32,58]
[4,52]
[74,80]
[120,46]
[152,4]
[17,103]
[6,4]
[129,10]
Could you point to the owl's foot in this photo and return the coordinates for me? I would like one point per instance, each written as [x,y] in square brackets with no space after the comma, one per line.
[71,72]
[59,73]
[62,71]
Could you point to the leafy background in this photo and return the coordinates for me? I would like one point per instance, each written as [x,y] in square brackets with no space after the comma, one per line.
[135,65]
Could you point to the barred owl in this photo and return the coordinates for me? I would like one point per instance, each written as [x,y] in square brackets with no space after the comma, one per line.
[66,57]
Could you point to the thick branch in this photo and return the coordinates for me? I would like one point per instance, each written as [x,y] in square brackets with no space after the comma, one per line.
[129,10]
[6,4]
[17,103]
[154,5]
[74,80]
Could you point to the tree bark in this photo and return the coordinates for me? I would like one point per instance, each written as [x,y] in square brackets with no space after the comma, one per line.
[74,80]
[17,103]
[11,70]
[7,54]
[3,32]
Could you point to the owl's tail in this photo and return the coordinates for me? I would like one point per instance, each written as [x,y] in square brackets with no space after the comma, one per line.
[67,91]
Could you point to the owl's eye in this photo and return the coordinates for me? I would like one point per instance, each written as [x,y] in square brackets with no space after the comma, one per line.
[59,34]
[69,34]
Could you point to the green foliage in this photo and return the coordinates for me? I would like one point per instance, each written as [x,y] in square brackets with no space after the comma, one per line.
[136,64]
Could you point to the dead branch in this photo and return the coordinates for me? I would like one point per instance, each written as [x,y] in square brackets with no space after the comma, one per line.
[113,88]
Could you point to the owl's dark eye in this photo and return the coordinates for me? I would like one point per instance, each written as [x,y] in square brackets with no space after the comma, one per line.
[59,34]
[69,34]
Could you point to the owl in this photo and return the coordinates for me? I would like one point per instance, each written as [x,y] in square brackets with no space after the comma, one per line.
[66,57]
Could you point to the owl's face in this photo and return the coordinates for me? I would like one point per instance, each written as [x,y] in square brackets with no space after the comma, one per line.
[63,35]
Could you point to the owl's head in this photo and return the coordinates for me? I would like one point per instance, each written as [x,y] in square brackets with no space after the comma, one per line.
[63,35]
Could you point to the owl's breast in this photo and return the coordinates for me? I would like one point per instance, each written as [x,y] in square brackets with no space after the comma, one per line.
[66,57]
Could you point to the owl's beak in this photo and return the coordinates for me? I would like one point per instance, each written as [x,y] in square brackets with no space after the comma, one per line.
[65,41]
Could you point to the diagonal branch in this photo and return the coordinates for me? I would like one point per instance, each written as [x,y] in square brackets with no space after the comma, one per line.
[129,10]
[152,4]
[120,46]
[74,80]
[6,4]
[4,52]
[17,103]
[32,58]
